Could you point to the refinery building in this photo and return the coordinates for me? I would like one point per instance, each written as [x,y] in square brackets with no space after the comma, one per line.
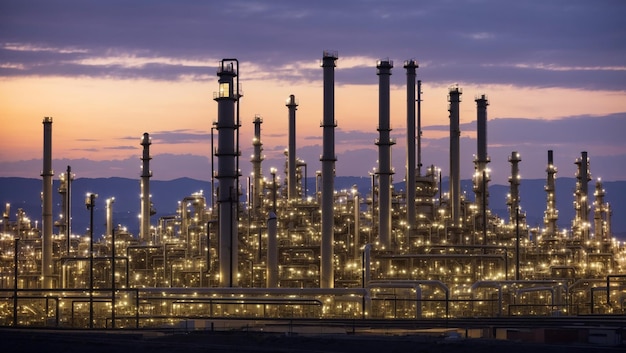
[269,247]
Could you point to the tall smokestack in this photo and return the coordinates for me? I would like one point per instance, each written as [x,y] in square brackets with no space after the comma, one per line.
[481,177]
[383,70]
[454,97]
[410,66]
[328,159]
[47,173]
[292,193]
[144,233]
[227,173]
[257,158]
[551,215]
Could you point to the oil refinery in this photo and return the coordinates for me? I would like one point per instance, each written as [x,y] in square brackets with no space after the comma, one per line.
[265,248]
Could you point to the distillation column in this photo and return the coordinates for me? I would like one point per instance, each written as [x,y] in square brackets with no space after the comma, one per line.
[146,174]
[581,204]
[47,173]
[454,97]
[514,180]
[551,215]
[327,277]
[256,160]
[227,173]
[65,185]
[410,66]
[292,193]
[481,177]
[383,70]
[600,212]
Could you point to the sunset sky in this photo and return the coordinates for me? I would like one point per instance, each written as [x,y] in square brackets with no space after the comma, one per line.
[108,71]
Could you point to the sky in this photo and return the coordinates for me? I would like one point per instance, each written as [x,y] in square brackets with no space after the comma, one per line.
[108,71]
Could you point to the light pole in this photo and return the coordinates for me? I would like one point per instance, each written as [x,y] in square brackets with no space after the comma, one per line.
[90,202]
[109,203]
[15,258]
[273,172]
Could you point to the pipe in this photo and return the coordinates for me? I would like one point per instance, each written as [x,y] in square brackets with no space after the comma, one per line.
[454,97]
[328,159]
[357,222]
[416,284]
[416,287]
[5,216]
[367,264]
[68,209]
[538,289]
[272,251]
[410,66]
[144,234]
[292,193]
[496,284]
[109,215]
[47,173]
[383,70]
[227,173]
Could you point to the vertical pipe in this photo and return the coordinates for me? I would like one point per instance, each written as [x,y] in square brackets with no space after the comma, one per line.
[419,127]
[272,251]
[144,235]
[5,217]
[213,168]
[410,66]
[47,173]
[328,159]
[109,216]
[291,178]
[68,210]
[454,97]
[15,280]
[383,70]
[257,158]
[112,277]
[91,203]
[357,222]
[227,173]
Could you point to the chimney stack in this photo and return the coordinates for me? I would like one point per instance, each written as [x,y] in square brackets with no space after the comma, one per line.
[328,159]
[47,173]
[410,66]
[383,70]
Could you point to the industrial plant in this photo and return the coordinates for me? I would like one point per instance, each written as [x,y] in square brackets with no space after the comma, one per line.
[268,246]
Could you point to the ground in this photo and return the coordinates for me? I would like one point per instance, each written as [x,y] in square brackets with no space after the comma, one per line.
[23,341]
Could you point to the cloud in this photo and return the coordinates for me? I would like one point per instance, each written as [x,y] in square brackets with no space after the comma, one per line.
[509,42]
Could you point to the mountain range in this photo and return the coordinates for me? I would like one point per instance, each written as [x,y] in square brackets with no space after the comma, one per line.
[25,193]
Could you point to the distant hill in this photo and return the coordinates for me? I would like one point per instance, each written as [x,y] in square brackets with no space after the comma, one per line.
[25,193]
